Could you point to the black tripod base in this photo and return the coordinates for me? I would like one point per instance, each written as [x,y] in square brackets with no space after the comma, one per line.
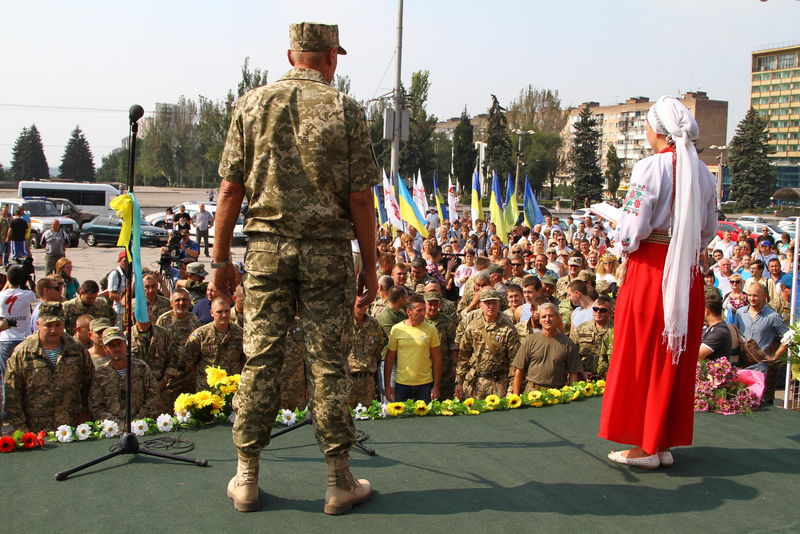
[129,444]
[361,436]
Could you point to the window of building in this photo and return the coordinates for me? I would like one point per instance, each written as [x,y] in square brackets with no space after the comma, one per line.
[765,63]
[787,61]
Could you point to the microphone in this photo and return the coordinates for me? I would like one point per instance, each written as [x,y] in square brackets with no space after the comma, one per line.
[135,113]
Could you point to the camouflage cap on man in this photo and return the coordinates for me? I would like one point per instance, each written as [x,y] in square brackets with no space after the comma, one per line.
[432,295]
[100,324]
[549,280]
[494,269]
[575,261]
[111,334]
[314,37]
[51,311]
[586,276]
[489,294]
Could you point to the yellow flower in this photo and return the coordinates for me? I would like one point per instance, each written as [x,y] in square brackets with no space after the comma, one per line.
[469,402]
[227,389]
[182,402]
[446,412]
[575,395]
[217,402]
[514,401]
[600,383]
[215,375]
[473,412]
[420,408]
[233,379]
[447,404]
[395,408]
[554,392]
[201,399]
[588,390]
[537,404]
[534,396]
[492,400]
[555,401]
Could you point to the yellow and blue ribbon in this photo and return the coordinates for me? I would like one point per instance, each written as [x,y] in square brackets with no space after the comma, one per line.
[130,236]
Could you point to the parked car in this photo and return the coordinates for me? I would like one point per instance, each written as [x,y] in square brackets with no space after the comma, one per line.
[774,230]
[749,219]
[789,223]
[733,228]
[106,229]
[158,219]
[582,214]
[68,209]
[42,214]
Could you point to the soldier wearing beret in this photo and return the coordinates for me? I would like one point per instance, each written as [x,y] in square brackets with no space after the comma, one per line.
[48,376]
[300,151]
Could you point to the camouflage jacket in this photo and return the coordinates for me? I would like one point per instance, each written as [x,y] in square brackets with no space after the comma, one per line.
[107,396]
[74,308]
[594,346]
[367,345]
[237,317]
[418,286]
[208,347]
[487,349]
[293,143]
[40,396]
[152,349]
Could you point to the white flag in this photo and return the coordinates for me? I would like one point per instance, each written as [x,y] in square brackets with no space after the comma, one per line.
[390,204]
[452,207]
[418,194]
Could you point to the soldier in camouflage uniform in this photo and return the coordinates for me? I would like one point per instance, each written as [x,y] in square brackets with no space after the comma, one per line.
[292,380]
[86,303]
[385,283]
[595,338]
[179,324]
[366,351]
[487,346]
[447,332]
[300,152]
[216,344]
[574,266]
[48,376]
[237,311]
[107,396]
[149,344]
[418,276]
[159,303]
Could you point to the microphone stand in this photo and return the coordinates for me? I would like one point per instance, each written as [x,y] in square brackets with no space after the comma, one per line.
[128,442]
[358,442]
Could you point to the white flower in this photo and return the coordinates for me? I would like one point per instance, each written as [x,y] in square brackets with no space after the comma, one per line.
[232,418]
[288,417]
[82,431]
[64,434]
[361,412]
[164,422]
[110,429]
[183,416]
[139,427]
[788,337]
[384,410]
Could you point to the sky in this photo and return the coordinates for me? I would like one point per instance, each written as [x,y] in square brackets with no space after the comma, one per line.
[67,64]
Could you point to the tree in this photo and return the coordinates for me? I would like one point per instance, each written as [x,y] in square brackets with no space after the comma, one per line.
[27,157]
[417,154]
[114,165]
[541,160]
[585,165]
[2,173]
[442,157]
[465,155]
[342,83]
[752,177]
[537,109]
[498,143]
[380,146]
[77,163]
[211,130]
[251,79]
[613,170]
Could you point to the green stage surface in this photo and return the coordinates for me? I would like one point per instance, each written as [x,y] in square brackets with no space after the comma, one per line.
[526,470]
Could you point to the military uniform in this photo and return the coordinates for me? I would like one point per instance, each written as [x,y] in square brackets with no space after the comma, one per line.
[74,308]
[237,317]
[594,346]
[561,287]
[486,350]
[196,290]
[376,307]
[365,352]
[467,296]
[178,331]
[299,148]
[107,396]
[151,348]
[565,309]
[447,342]
[208,347]
[418,286]
[42,396]
[292,379]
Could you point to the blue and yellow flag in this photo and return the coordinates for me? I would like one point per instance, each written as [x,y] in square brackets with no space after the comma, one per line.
[130,237]
[533,215]
[511,209]
[496,209]
[408,209]
[441,205]
[376,197]
[476,209]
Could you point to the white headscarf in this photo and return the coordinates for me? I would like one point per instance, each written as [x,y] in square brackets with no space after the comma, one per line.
[670,117]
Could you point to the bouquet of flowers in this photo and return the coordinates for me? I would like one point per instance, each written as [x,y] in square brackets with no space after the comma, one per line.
[209,405]
[23,441]
[718,388]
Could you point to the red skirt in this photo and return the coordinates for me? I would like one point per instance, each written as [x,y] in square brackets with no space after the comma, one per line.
[648,401]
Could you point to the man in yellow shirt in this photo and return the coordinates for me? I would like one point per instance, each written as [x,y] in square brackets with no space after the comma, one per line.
[415,345]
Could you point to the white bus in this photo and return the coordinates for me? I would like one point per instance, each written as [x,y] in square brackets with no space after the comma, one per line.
[86,196]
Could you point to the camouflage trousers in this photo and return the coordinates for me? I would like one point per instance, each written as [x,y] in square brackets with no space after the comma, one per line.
[363,391]
[313,279]
[292,381]
[481,388]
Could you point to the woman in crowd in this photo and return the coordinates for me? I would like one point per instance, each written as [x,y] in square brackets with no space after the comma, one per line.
[465,270]
[607,268]
[496,252]
[667,218]
[784,244]
[71,284]
[708,281]
[736,299]
[407,254]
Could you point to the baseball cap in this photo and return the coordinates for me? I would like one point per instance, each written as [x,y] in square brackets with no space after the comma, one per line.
[575,262]
[123,255]
[314,37]
[494,269]
[549,280]
[101,323]
[111,334]
[432,295]
[489,294]
[766,243]
[51,311]
[196,268]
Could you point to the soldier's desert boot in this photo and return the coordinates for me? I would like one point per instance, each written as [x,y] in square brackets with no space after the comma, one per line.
[343,492]
[243,488]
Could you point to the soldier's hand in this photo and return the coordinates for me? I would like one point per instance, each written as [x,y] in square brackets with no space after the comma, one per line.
[459,392]
[435,393]
[370,278]
[223,282]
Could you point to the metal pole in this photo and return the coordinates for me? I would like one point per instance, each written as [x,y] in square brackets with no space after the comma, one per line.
[519,156]
[398,97]
[792,317]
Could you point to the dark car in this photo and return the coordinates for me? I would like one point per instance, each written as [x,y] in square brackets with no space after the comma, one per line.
[106,229]
[68,209]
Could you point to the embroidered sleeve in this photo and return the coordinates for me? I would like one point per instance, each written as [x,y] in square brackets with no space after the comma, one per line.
[634,223]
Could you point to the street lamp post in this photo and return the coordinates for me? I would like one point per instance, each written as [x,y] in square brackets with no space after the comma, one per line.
[519,133]
[723,151]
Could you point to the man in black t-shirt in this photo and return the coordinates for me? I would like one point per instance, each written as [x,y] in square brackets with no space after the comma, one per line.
[182,220]
[717,341]
[18,235]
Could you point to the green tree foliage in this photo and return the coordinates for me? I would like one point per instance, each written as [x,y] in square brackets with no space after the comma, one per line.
[465,155]
[584,161]
[498,145]
[169,146]
[342,83]
[27,157]
[77,163]
[541,160]
[2,173]
[613,170]
[114,166]
[251,79]
[442,158]
[537,109]
[752,177]
[211,130]
[417,154]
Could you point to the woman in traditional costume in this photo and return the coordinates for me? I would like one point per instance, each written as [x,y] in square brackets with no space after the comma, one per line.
[668,217]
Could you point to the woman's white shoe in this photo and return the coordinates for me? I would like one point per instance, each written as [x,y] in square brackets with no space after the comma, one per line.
[666,459]
[645,462]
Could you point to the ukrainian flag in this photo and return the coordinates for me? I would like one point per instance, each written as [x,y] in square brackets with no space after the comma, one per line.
[511,209]
[376,197]
[533,215]
[496,209]
[441,205]
[408,210]
[477,210]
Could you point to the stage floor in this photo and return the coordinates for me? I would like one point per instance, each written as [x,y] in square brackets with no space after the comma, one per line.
[527,470]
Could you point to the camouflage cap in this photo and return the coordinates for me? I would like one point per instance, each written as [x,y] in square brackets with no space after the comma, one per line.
[111,334]
[494,269]
[197,268]
[314,37]
[432,295]
[101,323]
[51,311]
[489,294]
[586,276]
[603,286]
[549,280]
[575,261]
